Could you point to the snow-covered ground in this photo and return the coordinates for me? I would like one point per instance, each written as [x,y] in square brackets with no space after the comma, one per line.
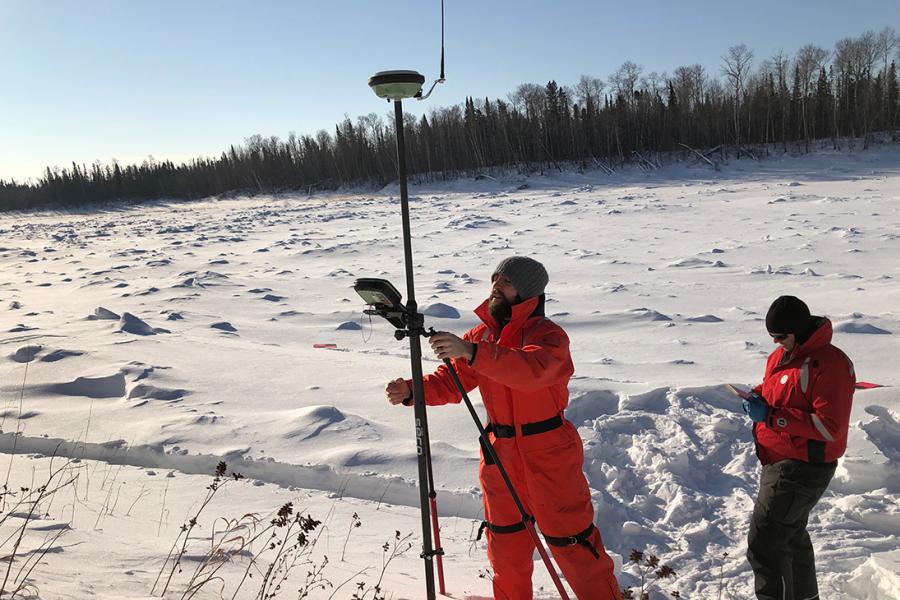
[148,343]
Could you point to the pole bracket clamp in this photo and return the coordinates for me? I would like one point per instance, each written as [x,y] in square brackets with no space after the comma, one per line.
[431,554]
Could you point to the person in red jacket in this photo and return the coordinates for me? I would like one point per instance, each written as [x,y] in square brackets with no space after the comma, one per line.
[520,362]
[801,414]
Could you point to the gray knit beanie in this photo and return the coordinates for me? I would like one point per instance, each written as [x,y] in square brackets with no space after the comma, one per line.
[527,275]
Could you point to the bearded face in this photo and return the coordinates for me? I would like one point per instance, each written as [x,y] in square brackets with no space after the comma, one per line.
[500,308]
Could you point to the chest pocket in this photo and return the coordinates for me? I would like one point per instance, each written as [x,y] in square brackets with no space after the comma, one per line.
[790,386]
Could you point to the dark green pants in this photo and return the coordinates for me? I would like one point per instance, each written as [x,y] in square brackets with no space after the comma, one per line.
[778,545]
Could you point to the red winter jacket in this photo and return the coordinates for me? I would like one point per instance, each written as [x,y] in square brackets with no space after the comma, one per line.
[522,371]
[810,397]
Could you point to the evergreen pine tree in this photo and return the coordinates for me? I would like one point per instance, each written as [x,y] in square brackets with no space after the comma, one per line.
[893,97]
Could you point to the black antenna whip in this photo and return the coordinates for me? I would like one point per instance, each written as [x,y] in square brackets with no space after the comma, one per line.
[440,79]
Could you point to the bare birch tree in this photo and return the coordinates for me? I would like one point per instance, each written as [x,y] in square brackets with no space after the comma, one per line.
[736,67]
[588,89]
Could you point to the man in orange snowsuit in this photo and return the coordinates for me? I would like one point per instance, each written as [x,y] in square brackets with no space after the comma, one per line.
[520,362]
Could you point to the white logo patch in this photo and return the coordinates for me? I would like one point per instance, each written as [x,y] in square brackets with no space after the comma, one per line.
[784,379]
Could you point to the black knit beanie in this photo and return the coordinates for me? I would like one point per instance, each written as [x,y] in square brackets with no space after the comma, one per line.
[788,314]
[527,275]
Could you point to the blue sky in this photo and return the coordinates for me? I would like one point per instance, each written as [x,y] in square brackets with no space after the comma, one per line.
[103,79]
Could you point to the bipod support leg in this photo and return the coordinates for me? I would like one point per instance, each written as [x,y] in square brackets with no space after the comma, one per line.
[438,549]
[527,519]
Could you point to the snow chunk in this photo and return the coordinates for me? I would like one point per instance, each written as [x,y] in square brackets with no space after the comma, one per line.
[131,324]
[155,393]
[104,314]
[853,327]
[591,405]
[60,354]
[690,263]
[200,280]
[654,401]
[474,221]
[112,386]
[441,311]
[647,314]
[704,319]
[878,577]
[26,353]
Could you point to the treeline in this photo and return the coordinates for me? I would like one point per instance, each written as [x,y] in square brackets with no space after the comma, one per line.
[783,102]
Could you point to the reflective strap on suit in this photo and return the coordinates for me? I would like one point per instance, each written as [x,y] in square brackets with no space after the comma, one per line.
[804,376]
[820,427]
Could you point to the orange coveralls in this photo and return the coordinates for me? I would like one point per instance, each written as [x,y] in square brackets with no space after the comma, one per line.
[522,372]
